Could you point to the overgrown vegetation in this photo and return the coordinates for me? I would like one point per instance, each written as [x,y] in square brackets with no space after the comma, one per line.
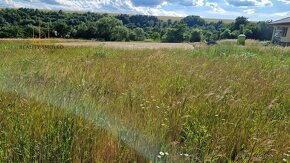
[219,103]
[26,23]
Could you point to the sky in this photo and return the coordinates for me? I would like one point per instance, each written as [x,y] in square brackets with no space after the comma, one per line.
[221,9]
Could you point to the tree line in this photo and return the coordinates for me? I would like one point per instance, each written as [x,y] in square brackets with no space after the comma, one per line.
[26,23]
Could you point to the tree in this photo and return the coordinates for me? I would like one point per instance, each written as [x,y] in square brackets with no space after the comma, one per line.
[120,33]
[140,34]
[240,21]
[105,27]
[194,21]
[82,31]
[124,18]
[177,34]
[62,29]
[155,36]
[132,36]
[226,34]
[248,33]
[9,31]
[196,35]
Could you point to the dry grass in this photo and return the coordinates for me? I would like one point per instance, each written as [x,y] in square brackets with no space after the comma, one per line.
[218,103]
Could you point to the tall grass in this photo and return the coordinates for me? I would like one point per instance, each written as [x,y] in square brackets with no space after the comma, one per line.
[217,104]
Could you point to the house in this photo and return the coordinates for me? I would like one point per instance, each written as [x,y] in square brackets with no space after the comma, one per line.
[281,32]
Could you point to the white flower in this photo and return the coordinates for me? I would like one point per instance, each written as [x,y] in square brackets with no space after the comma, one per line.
[186,155]
[159,156]
[163,124]
[181,154]
[285,154]
[166,153]
[284,159]
[161,153]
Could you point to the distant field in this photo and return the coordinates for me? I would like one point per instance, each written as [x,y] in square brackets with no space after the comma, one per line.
[226,21]
[221,103]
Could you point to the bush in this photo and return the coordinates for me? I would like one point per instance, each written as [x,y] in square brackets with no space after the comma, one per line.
[155,36]
[120,33]
[140,34]
[226,34]
[101,52]
[195,35]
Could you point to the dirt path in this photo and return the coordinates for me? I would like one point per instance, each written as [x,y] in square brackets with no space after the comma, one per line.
[130,45]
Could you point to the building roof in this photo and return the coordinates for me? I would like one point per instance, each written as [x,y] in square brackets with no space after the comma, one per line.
[282,21]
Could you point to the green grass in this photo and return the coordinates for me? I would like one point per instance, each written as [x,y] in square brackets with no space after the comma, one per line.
[214,103]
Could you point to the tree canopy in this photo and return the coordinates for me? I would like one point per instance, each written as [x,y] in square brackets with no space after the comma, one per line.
[27,23]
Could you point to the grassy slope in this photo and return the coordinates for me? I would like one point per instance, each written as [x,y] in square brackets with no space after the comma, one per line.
[86,104]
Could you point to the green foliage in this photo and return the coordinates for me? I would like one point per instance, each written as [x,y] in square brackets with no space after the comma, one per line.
[196,35]
[106,26]
[248,33]
[226,34]
[140,34]
[120,33]
[132,36]
[240,21]
[192,21]
[62,29]
[195,140]
[155,36]
[19,23]
[101,52]
[179,33]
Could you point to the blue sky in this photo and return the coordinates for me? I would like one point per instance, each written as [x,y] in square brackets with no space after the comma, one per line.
[223,9]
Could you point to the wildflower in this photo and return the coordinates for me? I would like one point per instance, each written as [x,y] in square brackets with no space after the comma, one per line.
[161,153]
[159,156]
[284,159]
[166,153]
[186,155]
[216,115]
[181,154]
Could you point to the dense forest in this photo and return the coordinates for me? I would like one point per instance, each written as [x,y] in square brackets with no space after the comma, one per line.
[26,23]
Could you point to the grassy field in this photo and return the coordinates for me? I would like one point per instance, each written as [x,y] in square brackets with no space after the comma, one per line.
[79,104]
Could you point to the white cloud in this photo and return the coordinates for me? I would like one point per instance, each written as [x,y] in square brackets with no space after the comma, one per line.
[198,3]
[216,8]
[117,6]
[282,14]
[249,3]
[285,1]
[249,11]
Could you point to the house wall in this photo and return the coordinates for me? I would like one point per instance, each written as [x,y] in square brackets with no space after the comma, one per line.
[287,38]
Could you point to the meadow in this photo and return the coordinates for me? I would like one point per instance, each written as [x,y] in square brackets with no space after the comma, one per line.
[221,103]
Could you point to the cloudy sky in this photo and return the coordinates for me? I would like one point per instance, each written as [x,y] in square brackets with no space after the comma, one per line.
[224,9]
